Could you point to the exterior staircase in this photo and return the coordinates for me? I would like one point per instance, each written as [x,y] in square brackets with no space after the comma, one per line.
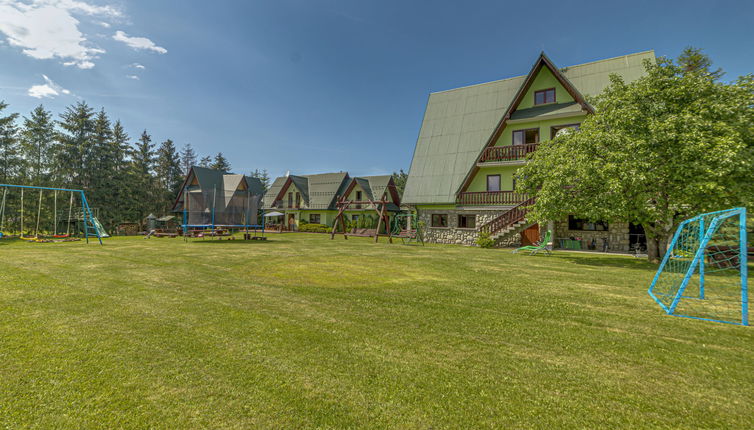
[509,224]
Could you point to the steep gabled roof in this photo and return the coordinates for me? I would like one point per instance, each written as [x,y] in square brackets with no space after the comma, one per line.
[213,183]
[458,123]
[375,187]
[318,191]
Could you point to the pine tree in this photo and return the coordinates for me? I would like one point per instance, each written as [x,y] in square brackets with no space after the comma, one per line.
[206,162]
[10,161]
[188,158]
[263,177]
[142,183]
[693,60]
[100,164]
[119,149]
[221,163]
[76,142]
[38,145]
[169,173]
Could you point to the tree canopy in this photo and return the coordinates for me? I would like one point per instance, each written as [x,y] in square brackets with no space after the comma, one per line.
[672,144]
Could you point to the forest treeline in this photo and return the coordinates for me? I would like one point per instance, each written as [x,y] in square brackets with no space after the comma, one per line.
[125,178]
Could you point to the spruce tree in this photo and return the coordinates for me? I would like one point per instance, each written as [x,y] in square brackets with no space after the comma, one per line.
[169,173]
[221,163]
[142,183]
[188,158]
[120,192]
[205,162]
[38,145]
[10,161]
[73,157]
[263,177]
[101,164]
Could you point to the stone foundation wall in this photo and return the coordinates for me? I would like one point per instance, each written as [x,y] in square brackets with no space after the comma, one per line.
[452,233]
[616,234]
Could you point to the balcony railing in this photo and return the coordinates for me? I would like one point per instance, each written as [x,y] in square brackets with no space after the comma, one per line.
[490,198]
[282,204]
[507,153]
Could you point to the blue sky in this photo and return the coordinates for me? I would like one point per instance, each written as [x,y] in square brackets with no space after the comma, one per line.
[315,86]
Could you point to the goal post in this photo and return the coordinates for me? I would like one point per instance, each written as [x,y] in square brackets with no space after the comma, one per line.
[704,272]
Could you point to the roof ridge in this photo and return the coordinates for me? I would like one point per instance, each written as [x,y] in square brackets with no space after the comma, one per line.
[525,75]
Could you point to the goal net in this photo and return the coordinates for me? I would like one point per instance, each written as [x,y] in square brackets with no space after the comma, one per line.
[704,274]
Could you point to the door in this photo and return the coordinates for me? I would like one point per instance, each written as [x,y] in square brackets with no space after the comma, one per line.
[530,236]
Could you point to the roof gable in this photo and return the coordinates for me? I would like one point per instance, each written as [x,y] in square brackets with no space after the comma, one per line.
[459,122]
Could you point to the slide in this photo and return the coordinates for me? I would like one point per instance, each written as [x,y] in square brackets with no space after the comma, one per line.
[102,232]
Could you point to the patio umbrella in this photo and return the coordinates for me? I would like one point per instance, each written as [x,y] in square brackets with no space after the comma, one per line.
[269,214]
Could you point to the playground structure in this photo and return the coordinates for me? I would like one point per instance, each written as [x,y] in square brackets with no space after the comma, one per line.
[81,218]
[215,204]
[406,227]
[379,206]
[704,272]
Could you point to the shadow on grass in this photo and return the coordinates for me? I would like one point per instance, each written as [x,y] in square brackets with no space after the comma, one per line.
[606,260]
[275,241]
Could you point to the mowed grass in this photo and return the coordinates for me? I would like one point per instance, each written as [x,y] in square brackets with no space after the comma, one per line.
[305,332]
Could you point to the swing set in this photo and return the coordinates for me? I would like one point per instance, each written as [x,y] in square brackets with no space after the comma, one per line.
[42,233]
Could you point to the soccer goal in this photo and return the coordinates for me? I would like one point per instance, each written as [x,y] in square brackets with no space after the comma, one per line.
[703,274]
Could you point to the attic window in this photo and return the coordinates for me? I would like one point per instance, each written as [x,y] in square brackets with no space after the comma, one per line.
[544,96]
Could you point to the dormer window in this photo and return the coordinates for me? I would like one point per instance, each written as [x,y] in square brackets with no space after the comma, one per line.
[544,96]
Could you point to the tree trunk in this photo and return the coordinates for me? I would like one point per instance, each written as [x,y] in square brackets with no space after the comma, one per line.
[656,247]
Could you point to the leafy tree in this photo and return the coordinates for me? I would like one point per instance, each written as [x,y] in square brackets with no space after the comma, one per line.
[205,162]
[77,123]
[658,150]
[10,161]
[263,176]
[221,163]
[400,179]
[188,158]
[169,172]
[37,145]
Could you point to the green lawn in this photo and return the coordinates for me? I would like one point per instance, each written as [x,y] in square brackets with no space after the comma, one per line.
[304,332]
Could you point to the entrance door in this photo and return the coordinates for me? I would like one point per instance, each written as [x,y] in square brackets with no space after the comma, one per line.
[530,236]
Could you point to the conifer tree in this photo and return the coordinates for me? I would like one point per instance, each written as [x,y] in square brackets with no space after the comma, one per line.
[188,158]
[169,173]
[37,145]
[205,162]
[263,177]
[77,123]
[10,161]
[221,163]
[142,182]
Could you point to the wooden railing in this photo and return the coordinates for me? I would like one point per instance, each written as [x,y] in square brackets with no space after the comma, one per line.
[281,204]
[509,218]
[507,153]
[490,198]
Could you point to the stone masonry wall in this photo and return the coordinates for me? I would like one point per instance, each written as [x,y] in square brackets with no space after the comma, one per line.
[616,234]
[452,233]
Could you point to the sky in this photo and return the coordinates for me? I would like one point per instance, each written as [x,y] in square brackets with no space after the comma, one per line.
[315,86]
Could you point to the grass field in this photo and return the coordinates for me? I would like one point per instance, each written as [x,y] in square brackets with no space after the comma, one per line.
[304,332]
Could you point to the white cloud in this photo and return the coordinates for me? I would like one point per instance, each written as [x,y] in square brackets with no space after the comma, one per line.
[49,89]
[134,77]
[138,42]
[138,66]
[46,29]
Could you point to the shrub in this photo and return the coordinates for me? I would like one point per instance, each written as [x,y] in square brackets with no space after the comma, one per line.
[485,241]
[314,228]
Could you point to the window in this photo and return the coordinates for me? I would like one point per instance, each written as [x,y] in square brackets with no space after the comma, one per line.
[583,224]
[466,221]
[314,218]
[298,200]
[544,96]
[358,199]
[439,220]
[525,137]
[290,200]
[514,184]
[556,129]
[354,217]
[493,182]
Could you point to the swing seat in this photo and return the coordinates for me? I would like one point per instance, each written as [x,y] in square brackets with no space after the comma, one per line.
[60,236]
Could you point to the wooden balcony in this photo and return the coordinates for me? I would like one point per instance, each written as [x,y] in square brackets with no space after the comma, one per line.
[490,198]
[507,153]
